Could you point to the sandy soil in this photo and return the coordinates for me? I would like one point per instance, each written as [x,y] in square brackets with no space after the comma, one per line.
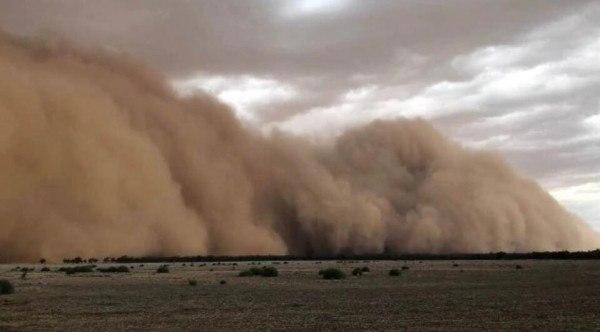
[557,295]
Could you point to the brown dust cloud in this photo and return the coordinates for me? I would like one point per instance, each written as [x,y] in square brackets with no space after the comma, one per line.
[99,157]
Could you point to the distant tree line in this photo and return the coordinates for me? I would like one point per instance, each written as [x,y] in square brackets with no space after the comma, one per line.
[562,255]
[76,260]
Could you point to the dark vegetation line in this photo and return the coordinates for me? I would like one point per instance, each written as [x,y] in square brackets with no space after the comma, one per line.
[593,254]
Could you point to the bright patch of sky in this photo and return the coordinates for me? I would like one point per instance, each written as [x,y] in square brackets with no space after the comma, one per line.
[300,8]
[243,92]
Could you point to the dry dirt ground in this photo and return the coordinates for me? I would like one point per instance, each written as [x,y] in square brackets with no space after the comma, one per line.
[544,295]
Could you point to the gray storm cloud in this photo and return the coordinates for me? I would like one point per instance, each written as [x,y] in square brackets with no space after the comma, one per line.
[99,157]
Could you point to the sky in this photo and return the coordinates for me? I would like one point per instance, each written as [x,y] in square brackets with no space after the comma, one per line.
[518,77]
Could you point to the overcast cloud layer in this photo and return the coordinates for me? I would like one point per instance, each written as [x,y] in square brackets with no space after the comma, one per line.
[519,77]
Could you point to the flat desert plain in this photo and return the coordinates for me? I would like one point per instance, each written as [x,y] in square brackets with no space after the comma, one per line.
[457,295]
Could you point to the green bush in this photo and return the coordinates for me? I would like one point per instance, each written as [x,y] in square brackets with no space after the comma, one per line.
[245,273]
[365,269]
[332,273]
[163,269]
[357,272]
[45,269]
[265,271]
[114,269]
[394,273]
[222,282]
[6,287]
[77,269]
[518,267]
[405,267]
[269,272]
[192,282]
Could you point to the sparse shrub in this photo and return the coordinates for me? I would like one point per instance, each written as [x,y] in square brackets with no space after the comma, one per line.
[80,269]
[114,269]
[265,271]
[245,273]
[454,265]
[357,272]
[394,273]
[45,269]
[77,269]
[269,271]
[332,273]
[163,269]
[43,261]
[6,287]
[518,267]
[192,282]
[222,282]
[365,269]
[405,267]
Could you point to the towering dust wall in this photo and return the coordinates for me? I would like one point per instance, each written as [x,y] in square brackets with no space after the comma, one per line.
[98,157]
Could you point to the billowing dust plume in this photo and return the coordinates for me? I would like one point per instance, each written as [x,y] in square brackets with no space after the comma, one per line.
[98,157]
